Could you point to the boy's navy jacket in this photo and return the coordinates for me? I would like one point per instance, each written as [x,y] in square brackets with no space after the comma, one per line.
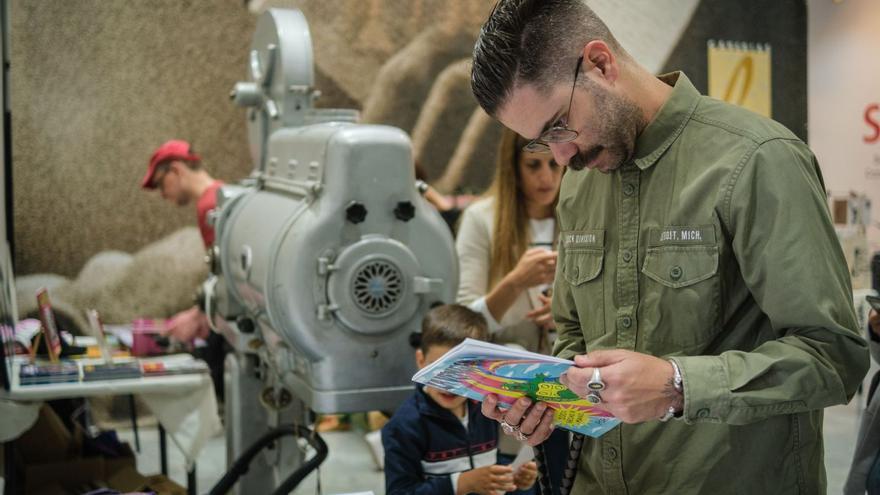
[424,444]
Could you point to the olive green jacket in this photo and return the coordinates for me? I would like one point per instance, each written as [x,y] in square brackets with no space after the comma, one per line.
[714,247]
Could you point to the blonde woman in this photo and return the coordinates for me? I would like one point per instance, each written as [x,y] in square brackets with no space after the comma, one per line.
[507,260]
[505,247]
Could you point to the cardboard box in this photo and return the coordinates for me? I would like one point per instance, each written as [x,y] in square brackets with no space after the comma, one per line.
[69,474]
[48,440]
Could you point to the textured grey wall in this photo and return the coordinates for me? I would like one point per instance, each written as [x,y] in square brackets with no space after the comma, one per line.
[96,85]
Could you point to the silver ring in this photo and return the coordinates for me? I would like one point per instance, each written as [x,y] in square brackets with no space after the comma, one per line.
[596,384]
[509,428]
[594,398]
[522,437]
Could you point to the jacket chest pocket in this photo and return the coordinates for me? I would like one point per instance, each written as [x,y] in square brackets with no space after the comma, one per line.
[582,271]
[681,296]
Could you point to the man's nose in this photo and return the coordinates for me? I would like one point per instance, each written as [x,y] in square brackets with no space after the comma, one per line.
[562,152]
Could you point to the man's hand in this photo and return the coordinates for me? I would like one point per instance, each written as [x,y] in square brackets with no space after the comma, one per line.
[638,387]
[187,325]
[526,475]
[487,480]
[534,422]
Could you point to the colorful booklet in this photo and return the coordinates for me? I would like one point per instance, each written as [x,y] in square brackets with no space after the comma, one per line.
[40,374]
[115,371]
[173,366]
[50,328]
[474,368]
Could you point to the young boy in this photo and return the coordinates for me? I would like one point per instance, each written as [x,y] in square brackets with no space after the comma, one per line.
[438,443]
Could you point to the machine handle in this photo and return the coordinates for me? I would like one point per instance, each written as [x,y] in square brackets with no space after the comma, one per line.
[425,285]
[208,288]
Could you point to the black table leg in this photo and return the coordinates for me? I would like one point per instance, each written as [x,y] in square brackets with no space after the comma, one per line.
[191,480]
[134,423]
[9,468]
[163,454]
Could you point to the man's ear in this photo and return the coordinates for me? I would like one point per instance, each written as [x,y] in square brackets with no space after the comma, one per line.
[601,61]
[420,358]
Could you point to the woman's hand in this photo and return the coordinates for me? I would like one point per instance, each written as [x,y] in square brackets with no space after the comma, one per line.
[536,266]
[874,322]
[542,316]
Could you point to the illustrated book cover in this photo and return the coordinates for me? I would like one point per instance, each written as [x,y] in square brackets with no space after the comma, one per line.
[474,369]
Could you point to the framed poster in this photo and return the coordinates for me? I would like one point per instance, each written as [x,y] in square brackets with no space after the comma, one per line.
[739,73]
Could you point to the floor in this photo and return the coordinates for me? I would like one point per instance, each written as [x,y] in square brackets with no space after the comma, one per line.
[350,467]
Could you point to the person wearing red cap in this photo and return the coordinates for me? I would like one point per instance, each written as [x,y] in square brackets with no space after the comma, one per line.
[176,171]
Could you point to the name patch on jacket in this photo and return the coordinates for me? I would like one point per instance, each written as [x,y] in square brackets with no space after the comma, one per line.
[699,235]
[583,238]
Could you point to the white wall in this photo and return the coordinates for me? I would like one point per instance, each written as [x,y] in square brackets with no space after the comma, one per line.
[843,82]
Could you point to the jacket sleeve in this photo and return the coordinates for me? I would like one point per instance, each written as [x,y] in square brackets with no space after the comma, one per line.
[403,469]
[473,248]
[791,261]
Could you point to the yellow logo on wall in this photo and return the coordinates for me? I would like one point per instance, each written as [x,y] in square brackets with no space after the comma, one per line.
[739,73]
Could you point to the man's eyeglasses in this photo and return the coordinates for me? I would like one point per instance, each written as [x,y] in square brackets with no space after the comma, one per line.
[159,175]
[560,132]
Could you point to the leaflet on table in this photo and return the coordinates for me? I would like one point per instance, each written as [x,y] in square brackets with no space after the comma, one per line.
[50,328]
[173,367]
[114,371]
[100,335]
[43,373]
[475,368]
[39,374]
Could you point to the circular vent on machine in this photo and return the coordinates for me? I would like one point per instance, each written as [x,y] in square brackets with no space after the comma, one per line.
[370,288]
[377,287]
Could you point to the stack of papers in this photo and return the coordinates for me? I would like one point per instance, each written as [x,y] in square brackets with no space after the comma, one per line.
[38,374]
[116,371]
[475,368]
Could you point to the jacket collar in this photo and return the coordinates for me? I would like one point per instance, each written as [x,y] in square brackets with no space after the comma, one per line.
[669,122]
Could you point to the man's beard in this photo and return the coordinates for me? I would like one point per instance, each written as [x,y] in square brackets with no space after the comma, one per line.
[621,121]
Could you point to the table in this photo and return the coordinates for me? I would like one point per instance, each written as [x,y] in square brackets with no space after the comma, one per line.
[184,405]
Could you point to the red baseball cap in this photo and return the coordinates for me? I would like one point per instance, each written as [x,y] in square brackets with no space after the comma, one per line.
[175,149]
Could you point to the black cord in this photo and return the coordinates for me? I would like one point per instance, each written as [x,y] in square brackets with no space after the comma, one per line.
[543,472]
[241,465]
[574,455]
[571,466]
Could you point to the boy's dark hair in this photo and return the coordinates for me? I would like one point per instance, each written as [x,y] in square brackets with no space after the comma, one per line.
[532,41]
[449,325]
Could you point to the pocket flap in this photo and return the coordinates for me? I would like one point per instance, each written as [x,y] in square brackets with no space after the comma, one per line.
[582,264]
[680,266]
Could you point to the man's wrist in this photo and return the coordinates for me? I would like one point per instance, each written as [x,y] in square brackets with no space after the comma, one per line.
[674,390]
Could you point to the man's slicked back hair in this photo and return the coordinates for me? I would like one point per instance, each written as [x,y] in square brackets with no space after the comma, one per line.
[532,41]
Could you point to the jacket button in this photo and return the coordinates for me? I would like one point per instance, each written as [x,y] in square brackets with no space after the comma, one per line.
[612,453]
[629,189]
[703,413]
[675,272]
[627,256]
[575,271]
[626,321]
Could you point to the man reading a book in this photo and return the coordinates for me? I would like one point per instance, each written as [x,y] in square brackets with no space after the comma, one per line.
[699,275]
[439,443]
